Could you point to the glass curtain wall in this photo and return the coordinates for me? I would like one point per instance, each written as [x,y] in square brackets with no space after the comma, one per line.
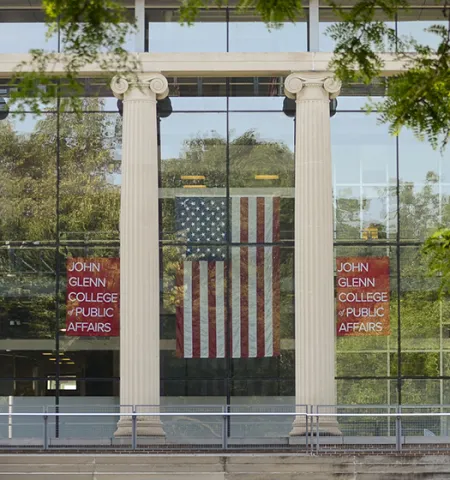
[33,29]
[30,21]
[408,24]
[60,198]
[61,195]
[390,193]
[227,178]
[222,30]
[226,141]
[60,182]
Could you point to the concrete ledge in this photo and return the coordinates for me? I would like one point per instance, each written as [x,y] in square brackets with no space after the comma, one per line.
[115,475]
[324,440]
[226,467]
[213,64]
[21,442]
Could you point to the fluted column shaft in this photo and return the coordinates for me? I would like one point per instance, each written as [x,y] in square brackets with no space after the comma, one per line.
[314,286]
[139,244]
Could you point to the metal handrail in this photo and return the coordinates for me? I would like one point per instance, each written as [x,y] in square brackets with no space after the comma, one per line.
[309,419]
[152,414]
[222,414]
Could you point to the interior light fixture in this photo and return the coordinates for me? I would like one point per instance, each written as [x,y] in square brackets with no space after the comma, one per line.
[47,353]
[192,177]
[289,107]
[53,359]
[70,363]
[67,359]
[163,107]
[266,177]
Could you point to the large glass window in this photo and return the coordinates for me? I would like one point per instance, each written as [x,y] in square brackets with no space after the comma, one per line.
[30,21]
[329,17]
[226,31]
[33,30]
[248,34]
[227,188]
[410,24]
[413,24]
[60,180]
[193,164]
[424,187]
[90,155]
[364,169]
[28,180]
[380,214]
[167,34]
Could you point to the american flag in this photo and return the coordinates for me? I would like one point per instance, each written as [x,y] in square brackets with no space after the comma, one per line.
[249,274]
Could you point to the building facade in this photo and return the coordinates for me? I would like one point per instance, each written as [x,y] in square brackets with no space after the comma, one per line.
[239,122]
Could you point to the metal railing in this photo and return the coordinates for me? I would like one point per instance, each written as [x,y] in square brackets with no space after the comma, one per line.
[319,429]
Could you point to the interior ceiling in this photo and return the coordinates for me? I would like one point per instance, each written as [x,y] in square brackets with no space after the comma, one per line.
[175,3]
[166,10]
[218,87]
[323,3]
[37,3]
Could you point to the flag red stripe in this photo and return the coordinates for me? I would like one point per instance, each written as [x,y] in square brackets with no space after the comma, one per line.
[244,302]
[276,219]
[195,310]
[276,300]
[276,278]
[179,295]
[212,309]
[228,311]
[244,220]
[244,277]
[260,302]
[260,220]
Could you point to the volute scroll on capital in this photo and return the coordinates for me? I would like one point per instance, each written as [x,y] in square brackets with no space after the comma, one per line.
[155,82]
[296,82]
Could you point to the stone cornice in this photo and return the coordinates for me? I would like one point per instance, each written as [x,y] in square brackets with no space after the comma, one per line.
[213,64]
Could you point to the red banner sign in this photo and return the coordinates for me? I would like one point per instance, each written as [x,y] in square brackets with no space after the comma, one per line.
[93,297]
[362,296]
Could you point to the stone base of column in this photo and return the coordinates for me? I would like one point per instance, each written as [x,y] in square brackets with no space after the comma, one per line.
[327,427]
[145,427]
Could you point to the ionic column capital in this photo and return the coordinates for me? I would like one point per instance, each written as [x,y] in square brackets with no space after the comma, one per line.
[311,86]
[142,86]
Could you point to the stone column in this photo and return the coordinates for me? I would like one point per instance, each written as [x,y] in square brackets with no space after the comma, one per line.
[139,250]
[314,261]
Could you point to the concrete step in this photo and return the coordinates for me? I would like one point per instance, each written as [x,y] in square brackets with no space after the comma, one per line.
[216,467]
[114,476]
